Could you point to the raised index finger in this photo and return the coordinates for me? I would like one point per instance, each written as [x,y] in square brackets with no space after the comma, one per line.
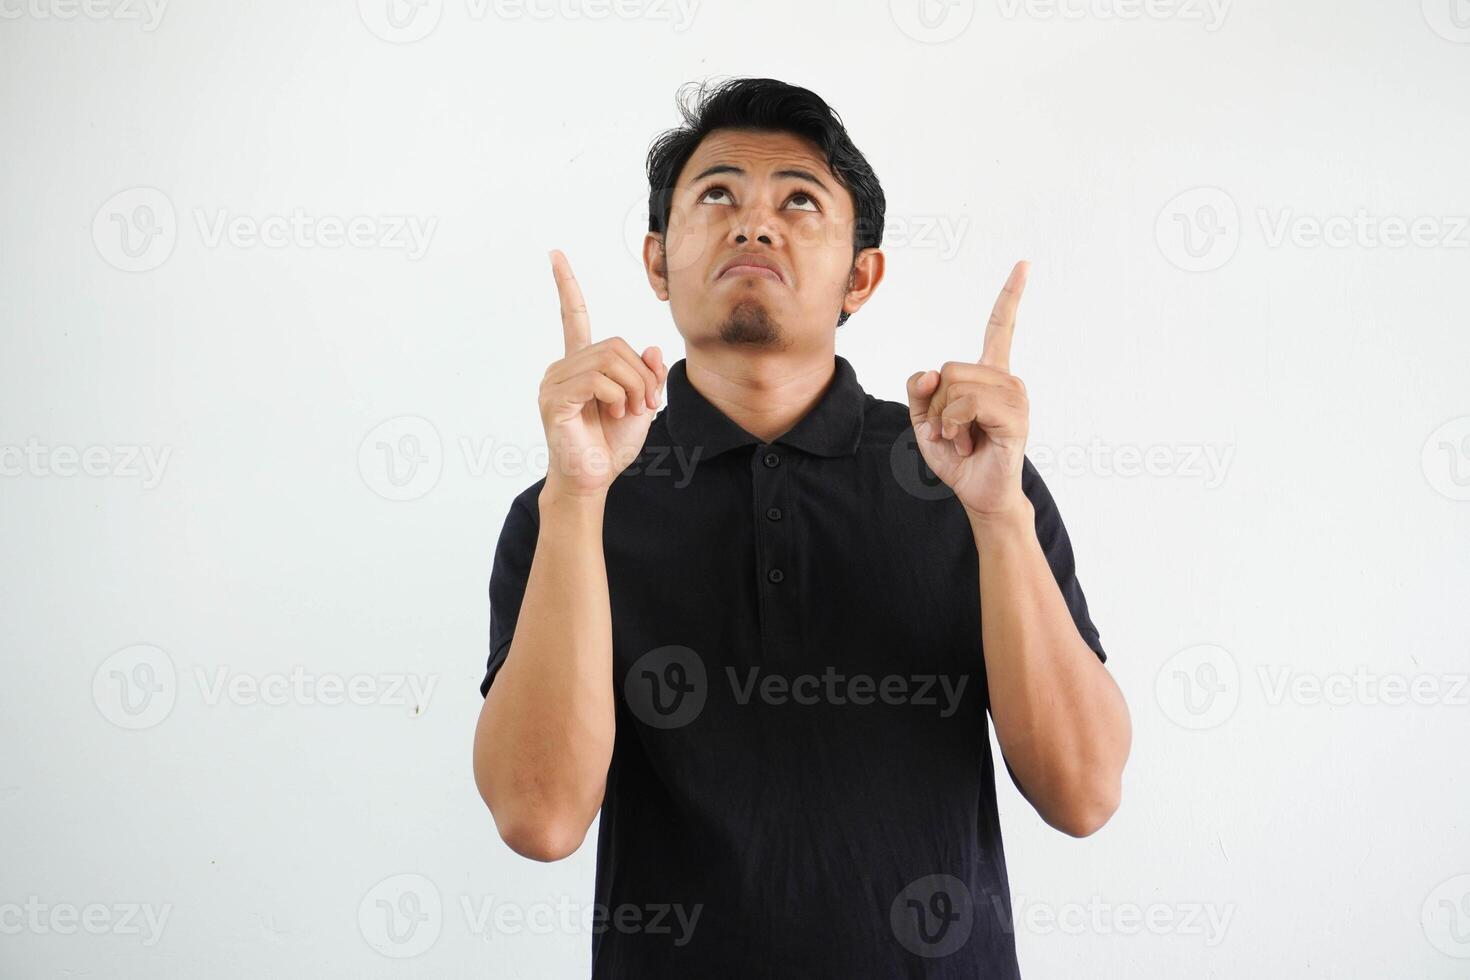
[576,329]
[1002,323]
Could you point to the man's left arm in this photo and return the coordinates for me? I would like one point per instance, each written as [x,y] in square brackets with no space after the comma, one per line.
[1061,721]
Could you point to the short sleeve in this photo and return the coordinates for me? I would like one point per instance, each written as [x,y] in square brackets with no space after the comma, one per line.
[1052,534]
[508,574]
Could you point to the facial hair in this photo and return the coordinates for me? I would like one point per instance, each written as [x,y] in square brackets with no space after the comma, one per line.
[750,324]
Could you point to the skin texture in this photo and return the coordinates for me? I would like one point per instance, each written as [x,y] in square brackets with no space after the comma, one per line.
[761,350]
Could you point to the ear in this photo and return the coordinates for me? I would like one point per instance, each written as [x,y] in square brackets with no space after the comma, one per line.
[867,272]
[655,263]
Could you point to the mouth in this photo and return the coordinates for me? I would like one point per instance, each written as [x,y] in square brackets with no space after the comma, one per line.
[758,271]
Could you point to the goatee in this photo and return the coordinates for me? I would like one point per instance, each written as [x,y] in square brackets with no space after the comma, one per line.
[749,323]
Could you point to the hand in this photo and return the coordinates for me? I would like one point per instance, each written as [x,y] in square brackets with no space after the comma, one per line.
[971,419]
[598,401]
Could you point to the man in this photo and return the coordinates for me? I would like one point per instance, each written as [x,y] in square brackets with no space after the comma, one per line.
[754,631]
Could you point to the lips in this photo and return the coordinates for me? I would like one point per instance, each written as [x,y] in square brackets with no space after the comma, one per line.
[751,265]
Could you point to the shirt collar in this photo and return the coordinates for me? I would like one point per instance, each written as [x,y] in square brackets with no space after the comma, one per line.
[832,427]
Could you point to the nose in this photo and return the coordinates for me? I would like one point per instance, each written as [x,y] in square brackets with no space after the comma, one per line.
[757,222]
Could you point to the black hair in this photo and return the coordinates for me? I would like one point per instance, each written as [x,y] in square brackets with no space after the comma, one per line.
[765,105]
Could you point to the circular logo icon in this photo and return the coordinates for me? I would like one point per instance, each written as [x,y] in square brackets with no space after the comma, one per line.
[688,239]
[135,230]
[932,21]
[666,687]
[1198,687]
[912,471]
[401,21]
[402,458]
[401,916]
[1450,19]
[136,687]
[635,227]
[1199,230]
[1446,459]
[1446,917]
[933,916]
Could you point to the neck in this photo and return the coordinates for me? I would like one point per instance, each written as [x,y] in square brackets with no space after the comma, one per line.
[764,395]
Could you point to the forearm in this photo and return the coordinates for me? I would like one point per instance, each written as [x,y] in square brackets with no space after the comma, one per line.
[1060,719]
[545,735]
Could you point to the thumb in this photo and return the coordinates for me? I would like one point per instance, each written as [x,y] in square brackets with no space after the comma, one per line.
[921,388]
[654,358]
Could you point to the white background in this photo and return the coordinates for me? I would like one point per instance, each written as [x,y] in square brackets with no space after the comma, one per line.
[1265,831]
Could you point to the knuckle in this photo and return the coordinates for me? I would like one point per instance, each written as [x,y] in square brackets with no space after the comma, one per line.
[553,372]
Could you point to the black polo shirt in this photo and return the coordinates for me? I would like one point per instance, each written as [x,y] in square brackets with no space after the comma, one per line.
[801,782]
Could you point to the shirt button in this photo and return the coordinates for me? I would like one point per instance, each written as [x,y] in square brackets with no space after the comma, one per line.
[772,460]
[775,575]
[774,513]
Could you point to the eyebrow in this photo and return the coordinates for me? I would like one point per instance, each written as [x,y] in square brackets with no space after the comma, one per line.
[725,168]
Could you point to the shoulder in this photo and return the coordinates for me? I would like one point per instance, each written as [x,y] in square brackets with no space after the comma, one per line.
[525,507]
[884,422]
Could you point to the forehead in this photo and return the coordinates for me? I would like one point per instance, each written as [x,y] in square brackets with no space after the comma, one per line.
[756,152]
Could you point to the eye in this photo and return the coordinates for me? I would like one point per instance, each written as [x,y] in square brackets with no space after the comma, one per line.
[716,189]
[804,197]
[807,202]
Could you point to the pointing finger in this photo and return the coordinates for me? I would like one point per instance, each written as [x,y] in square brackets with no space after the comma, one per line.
[1002,324]
[575,327]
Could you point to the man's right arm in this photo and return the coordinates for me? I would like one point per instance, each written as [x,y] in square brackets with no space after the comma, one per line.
[545,735]
[544,739]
